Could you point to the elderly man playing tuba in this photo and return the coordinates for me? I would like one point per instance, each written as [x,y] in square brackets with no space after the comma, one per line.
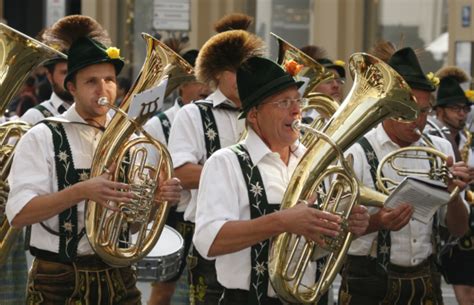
[242,186]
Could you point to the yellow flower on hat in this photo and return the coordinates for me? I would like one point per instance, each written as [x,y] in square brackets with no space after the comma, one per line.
[113,52]
[339,62]
[469,94]
[433,79]
[292,67]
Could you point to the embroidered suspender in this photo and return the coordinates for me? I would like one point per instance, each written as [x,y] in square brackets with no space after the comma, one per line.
[44,111]
[209,125]
[258,207]
[67,175]
[383,238]
[165,124]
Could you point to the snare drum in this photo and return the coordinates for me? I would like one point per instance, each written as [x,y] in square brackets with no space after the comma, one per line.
[163,262]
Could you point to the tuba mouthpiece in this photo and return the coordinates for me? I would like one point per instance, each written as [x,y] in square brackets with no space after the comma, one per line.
[103,101]
[296,125]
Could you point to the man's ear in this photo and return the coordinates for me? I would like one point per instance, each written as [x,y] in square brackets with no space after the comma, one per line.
[70,87]
[252,115]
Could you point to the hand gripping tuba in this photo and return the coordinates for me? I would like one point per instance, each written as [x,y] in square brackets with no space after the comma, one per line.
[378,93]
[107,230]
[19,54]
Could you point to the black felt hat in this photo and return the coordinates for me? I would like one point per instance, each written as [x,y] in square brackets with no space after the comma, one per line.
[86,51]
[259,78]
[450,92]
[190,56]
[405,62]
[327,63]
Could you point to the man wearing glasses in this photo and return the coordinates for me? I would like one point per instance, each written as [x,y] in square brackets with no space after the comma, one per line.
[452,109]
[241,188]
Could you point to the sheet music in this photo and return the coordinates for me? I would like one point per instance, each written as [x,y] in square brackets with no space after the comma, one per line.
[425,196]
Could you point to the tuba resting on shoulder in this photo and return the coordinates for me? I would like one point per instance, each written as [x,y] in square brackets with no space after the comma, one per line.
[378,93]
[19,55]
[108,230]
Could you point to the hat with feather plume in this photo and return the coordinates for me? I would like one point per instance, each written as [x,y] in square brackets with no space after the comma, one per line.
[450,91]
[226,51]
[405,62]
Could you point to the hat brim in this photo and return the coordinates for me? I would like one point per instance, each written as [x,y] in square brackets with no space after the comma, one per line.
[340,70]
[255,101]
[117,62]
[416,83]
[53,61]
[453,100]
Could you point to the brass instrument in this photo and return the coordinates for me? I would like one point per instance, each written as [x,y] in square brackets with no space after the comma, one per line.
[326,106]
[311,69]
[19,54]
[438,168]
[467,146]
[106,228]
[378,93]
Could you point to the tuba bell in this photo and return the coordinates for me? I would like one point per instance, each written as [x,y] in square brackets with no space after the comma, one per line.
[108,230]
[19,54]
[379,92]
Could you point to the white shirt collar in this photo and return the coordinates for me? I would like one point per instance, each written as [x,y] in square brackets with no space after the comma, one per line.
[56,101]
[258,149]
[217,98]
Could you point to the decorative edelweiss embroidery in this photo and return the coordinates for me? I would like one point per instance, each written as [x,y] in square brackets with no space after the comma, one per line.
[371,155]
[63,156]
[166,123]
[68,226]
[260,268]
[211,134]
[384,249]
[256,189]
[83,176]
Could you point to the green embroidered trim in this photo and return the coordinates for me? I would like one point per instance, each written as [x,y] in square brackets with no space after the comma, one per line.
[67,175]
[209,125]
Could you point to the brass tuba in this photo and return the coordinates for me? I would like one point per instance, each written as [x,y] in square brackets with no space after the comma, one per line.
[379,92]
[19,54]
[107,230]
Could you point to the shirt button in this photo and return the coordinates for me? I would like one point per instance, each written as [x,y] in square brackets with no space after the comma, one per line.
[414,240]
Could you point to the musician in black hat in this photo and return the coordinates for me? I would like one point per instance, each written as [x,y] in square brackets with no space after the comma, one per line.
[50,186]
[395,263]
[241,188]
[452,107]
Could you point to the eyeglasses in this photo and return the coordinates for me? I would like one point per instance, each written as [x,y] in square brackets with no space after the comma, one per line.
[460,108]
[287,103]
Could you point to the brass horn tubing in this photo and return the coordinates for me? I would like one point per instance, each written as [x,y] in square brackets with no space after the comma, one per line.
[429,151]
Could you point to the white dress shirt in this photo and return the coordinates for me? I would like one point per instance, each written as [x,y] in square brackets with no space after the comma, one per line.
[412,244]
[33,115]
[186,142]
[155,129]
[223,197]
[33,173]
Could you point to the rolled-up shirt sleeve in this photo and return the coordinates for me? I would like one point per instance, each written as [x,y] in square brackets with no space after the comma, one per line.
[220,198]
[186,143]
[31,171]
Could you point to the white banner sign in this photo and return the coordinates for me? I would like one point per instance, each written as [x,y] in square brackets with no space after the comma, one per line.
[171,15]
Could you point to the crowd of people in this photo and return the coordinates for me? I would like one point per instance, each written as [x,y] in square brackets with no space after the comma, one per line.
[234,147]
